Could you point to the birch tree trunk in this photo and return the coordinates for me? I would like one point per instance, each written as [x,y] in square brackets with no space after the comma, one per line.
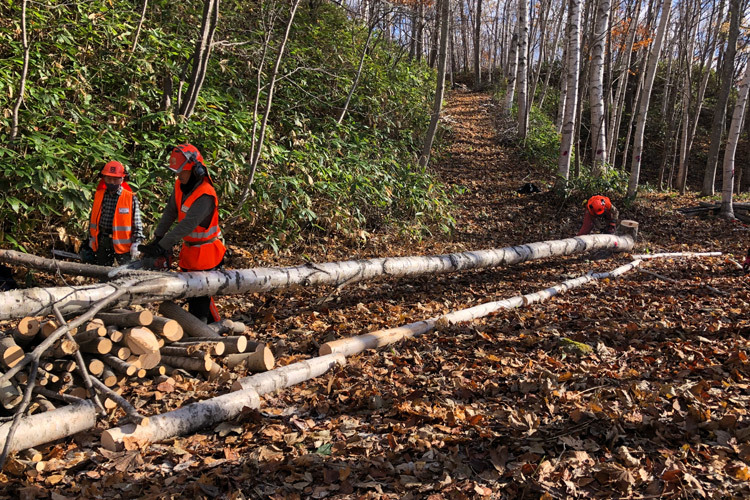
[201,56]
[478,46]
[522,73]
[512,71]
[596,88]
[645,101]
[720,111]
[571,101]
[70,300]
[622,83]
[440,86]
[733,138]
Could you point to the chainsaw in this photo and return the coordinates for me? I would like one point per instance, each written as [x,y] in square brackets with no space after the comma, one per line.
[160,263]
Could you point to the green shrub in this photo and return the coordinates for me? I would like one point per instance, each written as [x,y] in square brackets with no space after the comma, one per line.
[90,99]
[542,144]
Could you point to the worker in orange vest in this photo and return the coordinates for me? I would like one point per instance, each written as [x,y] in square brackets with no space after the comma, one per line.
[600,214]
[195,207]
[115,227]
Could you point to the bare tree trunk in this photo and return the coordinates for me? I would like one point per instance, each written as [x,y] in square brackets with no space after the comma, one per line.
[735,129]
[201,56]
[720,111]
[357,76]
[464,37]
[596,89]
[24,72]
[552,51]
[573,64]
[478,46]
[144,6]
[440,86]
[269,101]
[512,72]
[635,169]
[622,83]
[522,78]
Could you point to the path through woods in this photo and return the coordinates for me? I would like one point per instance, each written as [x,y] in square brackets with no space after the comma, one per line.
[505,407]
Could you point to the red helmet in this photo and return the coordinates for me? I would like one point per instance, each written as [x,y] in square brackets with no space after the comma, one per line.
[597,205]
[114,169]
[184,158]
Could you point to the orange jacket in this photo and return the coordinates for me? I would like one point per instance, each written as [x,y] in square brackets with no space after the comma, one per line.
[202,249]
[122,222]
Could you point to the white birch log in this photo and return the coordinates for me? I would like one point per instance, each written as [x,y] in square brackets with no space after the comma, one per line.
[354,345]
[189,323]
[257,361]
[38,301]
[289,375]
[181,421]
[51,425]
[675,255]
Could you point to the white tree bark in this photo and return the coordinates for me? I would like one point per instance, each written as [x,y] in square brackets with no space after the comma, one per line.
[523,71]
[512,71]
[49,426]
[289,375]
[735,129]
[73,299]
[645,101]
[571,101]
[596,88]
[181,421]
[373,340]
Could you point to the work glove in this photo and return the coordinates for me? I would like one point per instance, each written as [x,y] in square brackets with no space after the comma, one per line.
[134,253]
[153,250]
[87,254]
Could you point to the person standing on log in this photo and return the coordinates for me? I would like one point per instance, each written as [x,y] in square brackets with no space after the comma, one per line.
[115,227]
[601,215]
[195,207]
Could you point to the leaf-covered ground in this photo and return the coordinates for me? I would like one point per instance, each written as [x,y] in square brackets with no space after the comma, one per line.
[505,407]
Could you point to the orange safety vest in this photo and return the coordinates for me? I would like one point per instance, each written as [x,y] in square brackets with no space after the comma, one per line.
[121,222]
[202,249]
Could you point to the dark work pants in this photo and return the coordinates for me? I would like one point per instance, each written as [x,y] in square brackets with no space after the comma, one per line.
[204,308]
[105,255]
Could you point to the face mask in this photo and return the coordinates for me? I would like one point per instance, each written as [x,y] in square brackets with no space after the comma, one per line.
[112,188]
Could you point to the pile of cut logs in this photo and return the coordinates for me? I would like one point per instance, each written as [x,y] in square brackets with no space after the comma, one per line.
[741,210]
[119,345]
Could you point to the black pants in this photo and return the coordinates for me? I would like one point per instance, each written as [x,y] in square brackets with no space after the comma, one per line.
[204,308]
[105,255]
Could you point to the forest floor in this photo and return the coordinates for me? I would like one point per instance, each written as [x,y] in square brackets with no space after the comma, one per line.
[497,408]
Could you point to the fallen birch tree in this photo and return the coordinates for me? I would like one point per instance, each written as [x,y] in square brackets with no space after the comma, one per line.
[161,287]
[355,345]
[221,408]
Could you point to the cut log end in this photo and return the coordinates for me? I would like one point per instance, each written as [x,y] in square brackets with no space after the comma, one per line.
[628,228]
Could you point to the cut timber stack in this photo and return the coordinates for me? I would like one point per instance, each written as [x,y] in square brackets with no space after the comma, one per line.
[100,356]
